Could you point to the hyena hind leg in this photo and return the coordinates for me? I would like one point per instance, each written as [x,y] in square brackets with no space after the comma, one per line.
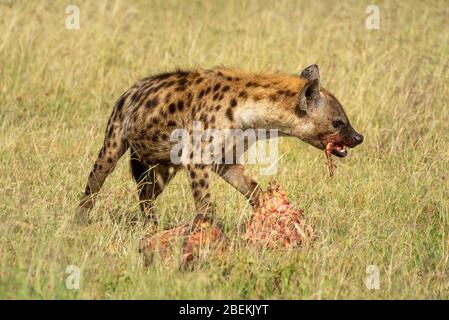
[151,181]
[107,159]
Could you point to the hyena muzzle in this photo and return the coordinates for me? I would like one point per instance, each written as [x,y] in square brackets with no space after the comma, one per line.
[147,114]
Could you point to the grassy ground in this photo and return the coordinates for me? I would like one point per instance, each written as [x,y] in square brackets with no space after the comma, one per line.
[387,205]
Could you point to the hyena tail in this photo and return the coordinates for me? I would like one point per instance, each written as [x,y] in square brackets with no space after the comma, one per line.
[114,146]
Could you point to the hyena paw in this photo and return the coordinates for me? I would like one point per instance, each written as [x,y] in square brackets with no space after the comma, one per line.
[82,212]
[150,220]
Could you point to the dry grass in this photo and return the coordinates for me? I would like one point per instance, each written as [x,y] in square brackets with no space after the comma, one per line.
[387,204]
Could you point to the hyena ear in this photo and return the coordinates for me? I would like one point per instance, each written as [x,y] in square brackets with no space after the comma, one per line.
[310,95]
[310,73]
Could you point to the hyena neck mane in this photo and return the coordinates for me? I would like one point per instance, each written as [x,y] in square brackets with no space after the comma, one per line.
[265,100]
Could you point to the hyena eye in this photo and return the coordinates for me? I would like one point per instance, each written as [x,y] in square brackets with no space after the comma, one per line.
[337,124]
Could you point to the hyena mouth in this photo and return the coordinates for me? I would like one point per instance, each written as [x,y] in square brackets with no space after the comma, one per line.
[337,149]
[337,145]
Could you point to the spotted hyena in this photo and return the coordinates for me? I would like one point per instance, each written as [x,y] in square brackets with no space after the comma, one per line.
[145,116]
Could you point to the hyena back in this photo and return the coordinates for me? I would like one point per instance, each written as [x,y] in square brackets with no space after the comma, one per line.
[145,116]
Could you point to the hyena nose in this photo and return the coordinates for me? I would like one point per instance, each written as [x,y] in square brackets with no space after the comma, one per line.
[358,138]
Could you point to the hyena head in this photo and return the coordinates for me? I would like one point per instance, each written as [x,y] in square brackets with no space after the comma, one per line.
[321,118]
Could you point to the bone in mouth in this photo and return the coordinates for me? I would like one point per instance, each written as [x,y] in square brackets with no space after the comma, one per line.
[330,165]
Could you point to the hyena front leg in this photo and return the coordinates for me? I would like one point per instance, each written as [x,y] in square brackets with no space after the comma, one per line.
[113,148]
[235,175]
[151,181]
[199,177]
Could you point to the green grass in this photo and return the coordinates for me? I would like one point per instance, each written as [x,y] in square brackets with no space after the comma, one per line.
[387,205]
